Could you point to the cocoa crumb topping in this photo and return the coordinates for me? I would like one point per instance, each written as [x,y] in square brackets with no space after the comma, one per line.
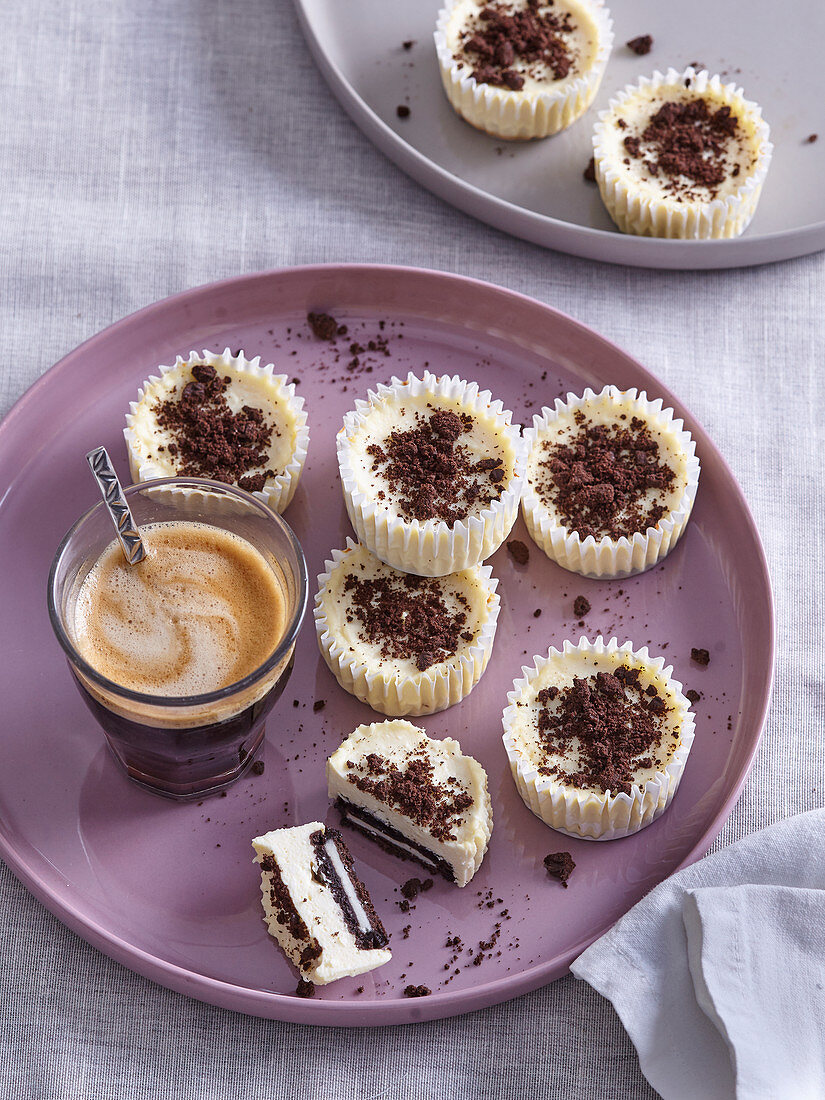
[310,953]
[685,145]
[505,34]
[811,138]
[605,726]
[641,45]
[402,110]
[323,326]
[581,606]
[305,988]
[407,616]
[437,807]
[599,480]
[414,886]
[258,767]
[208,439]
[590,171]
[431,474]
[559,865]
[417,991]
[693,696]
[281,902]
[518,551]
[700,656]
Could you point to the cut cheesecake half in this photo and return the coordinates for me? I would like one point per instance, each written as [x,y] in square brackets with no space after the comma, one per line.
[315,905]
[417,797]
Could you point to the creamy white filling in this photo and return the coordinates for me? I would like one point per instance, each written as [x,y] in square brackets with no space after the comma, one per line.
[364,922]
[368,827]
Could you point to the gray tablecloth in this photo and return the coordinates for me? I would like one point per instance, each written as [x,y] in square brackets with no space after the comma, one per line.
[150,147]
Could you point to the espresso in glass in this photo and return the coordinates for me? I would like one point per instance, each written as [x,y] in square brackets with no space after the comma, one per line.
[182,656]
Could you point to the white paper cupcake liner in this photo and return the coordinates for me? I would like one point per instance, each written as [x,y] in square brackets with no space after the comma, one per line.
[607,557]
[278,491]
[431,548]
[592,815]
[390,691]
[521,115]
[635,212]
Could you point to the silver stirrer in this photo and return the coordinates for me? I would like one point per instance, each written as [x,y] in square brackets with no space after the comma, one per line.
[112,493]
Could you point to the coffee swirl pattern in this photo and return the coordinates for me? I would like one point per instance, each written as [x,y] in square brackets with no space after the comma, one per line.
[201,611]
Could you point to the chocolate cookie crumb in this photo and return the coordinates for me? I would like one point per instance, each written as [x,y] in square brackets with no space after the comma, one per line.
[581,606]
[811,138]
[414,886]
[504,34]
[518,551]
[417,991]
[305,988]
[606,479]
[438,807]
[685,145]
[319,704]
[590,171]
[323,326]
[360,989]
[537,613]
[700,656]
[432,474]
[693,696]
[408,45]
[402,110]
[209,439]
[408,618]
[611,724]
[560,866]
[258,767]
[641,45]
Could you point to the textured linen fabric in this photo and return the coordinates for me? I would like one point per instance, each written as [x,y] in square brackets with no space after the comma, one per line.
[717,973]
[149,147]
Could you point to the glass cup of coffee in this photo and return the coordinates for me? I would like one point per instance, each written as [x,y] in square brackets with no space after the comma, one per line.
[181,657]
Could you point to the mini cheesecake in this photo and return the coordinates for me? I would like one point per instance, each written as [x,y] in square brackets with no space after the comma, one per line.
[221,417]
[611,480]
[520,69]
[432,471]
[404,644]
[681,156]
[597,736]
[419,798]
[315,905]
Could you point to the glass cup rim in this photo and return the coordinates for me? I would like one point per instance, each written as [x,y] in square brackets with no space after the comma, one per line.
[208,697]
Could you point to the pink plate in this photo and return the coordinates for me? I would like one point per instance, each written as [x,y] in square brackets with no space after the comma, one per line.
[170,890]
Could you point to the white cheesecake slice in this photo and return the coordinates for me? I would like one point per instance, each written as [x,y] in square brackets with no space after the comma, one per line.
[417,797]
[316,907]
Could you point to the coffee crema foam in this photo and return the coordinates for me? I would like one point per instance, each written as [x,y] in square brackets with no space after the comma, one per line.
[202,610]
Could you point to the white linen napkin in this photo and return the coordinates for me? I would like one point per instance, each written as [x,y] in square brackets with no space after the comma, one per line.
[718,975]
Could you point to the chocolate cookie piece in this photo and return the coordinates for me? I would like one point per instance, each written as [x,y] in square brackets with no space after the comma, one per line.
[560,866]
